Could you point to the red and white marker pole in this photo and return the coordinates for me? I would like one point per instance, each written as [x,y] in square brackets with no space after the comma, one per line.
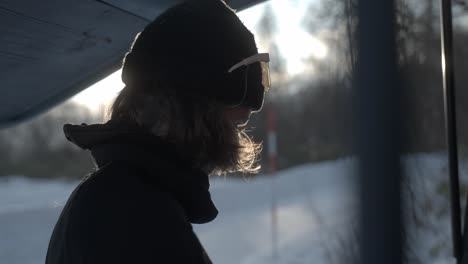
[273,166]
[272,141]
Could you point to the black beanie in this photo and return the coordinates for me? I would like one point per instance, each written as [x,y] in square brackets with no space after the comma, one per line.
[190,48]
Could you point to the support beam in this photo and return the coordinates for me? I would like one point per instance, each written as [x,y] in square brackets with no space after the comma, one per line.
[378,127]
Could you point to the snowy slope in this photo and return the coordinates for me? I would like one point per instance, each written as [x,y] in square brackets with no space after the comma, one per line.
[28,211]
[312,200]
[315,207]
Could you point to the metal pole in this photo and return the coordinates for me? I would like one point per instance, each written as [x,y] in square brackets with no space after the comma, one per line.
[378,128]
[450,123]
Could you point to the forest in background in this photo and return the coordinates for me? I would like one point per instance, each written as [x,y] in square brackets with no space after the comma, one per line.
[314,115]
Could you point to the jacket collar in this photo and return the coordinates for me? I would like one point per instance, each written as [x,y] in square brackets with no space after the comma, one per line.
[157,160]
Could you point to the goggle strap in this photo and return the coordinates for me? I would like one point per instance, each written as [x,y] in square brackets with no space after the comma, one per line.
[260,57]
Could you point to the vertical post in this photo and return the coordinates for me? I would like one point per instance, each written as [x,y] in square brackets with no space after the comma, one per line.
[273,159]
[378,127]
[450,123]
[272,140]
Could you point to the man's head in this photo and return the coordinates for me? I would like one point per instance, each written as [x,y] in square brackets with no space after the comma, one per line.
[193,76]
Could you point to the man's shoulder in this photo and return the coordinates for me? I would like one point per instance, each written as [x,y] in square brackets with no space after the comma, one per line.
[123,220]
[115,192]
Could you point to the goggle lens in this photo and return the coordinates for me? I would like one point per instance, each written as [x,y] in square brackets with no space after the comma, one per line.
[265,75]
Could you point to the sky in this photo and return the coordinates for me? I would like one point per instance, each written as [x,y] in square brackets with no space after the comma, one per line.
[294,43]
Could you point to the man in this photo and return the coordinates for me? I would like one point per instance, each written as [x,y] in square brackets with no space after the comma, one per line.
[193,77]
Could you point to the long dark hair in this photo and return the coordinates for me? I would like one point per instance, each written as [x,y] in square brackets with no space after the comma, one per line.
[196,126]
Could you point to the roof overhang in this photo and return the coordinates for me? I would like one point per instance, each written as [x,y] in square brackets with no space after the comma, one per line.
[51,50]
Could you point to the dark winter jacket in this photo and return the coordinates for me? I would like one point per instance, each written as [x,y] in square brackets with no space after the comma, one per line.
[137,207]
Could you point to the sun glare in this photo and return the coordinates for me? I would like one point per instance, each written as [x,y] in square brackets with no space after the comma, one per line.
[100,94]
[295,44]
[298,47]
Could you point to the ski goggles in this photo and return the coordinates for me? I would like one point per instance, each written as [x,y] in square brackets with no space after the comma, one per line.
[256,80]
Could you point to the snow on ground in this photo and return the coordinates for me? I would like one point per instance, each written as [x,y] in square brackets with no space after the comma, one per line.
[315,205]
[311,200]
[28,212]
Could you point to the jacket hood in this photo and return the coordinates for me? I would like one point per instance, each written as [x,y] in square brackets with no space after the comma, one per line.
[89,136]
[156,161]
